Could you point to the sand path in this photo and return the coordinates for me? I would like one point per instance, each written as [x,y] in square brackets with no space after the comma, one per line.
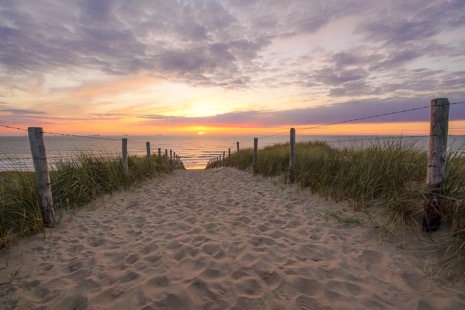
[215,239]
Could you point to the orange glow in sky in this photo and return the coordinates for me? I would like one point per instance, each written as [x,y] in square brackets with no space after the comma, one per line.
[229,67]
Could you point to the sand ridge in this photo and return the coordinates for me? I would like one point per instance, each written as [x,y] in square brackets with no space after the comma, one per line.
[215,239]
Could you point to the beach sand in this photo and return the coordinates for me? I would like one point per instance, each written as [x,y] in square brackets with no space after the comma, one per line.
[217,239]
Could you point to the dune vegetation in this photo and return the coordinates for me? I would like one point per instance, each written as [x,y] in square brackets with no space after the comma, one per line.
[386,176]
[76,181]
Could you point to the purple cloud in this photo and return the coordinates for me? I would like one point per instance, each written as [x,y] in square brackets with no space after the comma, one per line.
[224,43]
[360,111]
[22,112]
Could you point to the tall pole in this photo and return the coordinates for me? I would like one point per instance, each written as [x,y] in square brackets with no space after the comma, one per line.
[147,145]
[125,155]
[44,187]
[292,157]
[255,150]
[436,164]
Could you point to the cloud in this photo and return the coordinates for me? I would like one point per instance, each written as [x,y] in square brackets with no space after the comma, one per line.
[407,22]
[336,76]
[22,112]
[97,10]
[226,43]
[106,116]
[360,111]
[13,117]
[163,37]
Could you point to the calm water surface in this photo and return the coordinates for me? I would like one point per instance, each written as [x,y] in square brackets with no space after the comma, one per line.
[195,150]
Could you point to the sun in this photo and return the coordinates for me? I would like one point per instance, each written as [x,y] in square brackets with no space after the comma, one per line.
[201,133]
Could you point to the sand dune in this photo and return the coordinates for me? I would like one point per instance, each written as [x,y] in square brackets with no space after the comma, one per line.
[216,239]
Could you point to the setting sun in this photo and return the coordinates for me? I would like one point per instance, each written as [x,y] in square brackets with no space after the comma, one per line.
[230,80]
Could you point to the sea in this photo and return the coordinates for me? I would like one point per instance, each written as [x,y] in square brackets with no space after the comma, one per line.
[195,150]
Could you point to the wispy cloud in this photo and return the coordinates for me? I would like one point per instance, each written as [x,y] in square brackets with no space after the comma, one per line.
[353,111]
[22,112]
[213,41]
[98,56]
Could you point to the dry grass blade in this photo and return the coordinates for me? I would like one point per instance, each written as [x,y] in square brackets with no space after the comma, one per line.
[76,181]
[388,174]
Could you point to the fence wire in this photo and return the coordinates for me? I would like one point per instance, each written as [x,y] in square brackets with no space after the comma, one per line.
[231,145]
[12,162]
[300,129]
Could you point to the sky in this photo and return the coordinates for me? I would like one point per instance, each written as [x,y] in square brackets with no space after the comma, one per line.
[229,66]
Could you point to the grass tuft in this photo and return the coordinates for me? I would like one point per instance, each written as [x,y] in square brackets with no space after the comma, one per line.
[76,181]
[451,261]
[388,175]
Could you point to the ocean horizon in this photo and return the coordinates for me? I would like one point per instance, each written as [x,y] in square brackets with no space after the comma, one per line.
[195,150]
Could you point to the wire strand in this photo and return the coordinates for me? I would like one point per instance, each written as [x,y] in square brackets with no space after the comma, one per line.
[354,120]
[72,135]
[267,136]
[11,127]
[365,118]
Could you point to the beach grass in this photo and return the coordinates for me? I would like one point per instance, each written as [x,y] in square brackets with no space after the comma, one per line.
[76,181]
[388,175]
[359,174]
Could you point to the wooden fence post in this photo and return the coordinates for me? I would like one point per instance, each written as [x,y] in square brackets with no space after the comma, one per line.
[436,164]
[292,157]
[159,152]
[166,154]
[224,158]
[237,146]
[44,187]
[255,150]
[125,155]
[229,157]
[147,145]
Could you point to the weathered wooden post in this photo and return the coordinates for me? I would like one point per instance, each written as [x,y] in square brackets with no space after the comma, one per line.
[255,150]
[171,156]
[166,154]
[147,145]
[224,158]
[237,146]
[44,187]
[125,155]
[159,152]
[229,157]
[436,164]
[292,157]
